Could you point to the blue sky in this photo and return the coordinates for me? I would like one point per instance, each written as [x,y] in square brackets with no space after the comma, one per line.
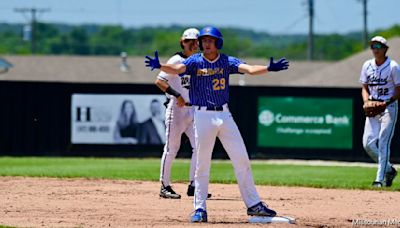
[273,16]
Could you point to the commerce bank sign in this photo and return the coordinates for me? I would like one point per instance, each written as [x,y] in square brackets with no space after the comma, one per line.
[267,118]
[304,122]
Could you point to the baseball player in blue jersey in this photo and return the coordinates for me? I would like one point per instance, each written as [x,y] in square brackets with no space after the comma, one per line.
[209,94]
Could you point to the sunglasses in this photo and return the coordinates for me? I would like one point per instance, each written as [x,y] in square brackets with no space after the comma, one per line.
[377,46]
[189,40]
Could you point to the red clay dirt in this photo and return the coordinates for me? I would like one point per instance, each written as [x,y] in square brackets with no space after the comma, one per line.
[52,202]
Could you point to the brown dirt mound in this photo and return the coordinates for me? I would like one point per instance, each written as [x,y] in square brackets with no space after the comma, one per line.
[51,202]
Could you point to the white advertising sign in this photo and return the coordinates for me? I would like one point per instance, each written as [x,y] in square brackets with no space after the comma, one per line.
[117,119]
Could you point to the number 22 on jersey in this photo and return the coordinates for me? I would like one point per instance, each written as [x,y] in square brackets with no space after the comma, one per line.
[218,84]
[383,91]
[185,82]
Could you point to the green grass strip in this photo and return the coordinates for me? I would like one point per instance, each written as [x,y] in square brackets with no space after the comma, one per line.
[221,171]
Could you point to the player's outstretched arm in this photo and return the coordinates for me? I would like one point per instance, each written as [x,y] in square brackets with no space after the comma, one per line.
[154,63]
[281,64]
[252,69]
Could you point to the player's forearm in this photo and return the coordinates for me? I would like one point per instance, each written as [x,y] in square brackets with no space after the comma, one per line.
[396,95]
[173,68]
[258,69]
[162,85]
[166,88]
[365,97]
[252,69]
[365,94]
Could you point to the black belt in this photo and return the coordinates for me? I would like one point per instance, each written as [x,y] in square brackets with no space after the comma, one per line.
[168,100]
[215,108]
[212,108]
[388,102]
[373,99]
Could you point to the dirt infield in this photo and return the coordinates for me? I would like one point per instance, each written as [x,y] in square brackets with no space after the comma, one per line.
[49,202]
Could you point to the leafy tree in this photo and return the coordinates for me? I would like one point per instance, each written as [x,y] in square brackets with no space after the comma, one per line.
[61,39]
[388,33]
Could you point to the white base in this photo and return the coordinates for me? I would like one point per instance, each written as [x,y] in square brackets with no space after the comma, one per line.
[276,219]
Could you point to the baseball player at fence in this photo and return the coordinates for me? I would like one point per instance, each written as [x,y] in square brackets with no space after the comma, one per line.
[209,93]
[178,116]
[380,77]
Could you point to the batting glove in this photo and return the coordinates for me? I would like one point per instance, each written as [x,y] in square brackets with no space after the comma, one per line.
[282,64]
[153,63]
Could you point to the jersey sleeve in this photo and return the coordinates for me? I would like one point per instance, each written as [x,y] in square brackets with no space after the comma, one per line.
[164,76]
[363,74]
[191,66]
[234,65]
[396,74]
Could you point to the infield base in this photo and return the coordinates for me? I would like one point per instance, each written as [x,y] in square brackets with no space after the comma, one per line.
[276,219]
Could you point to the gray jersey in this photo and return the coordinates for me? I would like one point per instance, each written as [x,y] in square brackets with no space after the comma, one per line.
[381,80]
[378,131]
[180,84]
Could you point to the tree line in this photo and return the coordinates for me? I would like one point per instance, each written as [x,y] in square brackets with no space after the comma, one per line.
[61,39]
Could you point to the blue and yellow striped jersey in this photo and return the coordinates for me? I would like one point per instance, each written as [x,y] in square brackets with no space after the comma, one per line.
[209,80]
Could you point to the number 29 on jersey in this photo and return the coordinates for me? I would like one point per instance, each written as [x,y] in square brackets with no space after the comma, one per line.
[218,84]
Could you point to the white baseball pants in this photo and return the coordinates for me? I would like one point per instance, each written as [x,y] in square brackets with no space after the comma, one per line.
[178,120]
[209,125]
[378,133]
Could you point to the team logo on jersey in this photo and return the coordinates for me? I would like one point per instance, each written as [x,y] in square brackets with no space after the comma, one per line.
[375,78]
[266,118]
[374,81]
[209,71]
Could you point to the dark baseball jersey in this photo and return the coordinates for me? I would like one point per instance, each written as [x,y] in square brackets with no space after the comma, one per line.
[209,80]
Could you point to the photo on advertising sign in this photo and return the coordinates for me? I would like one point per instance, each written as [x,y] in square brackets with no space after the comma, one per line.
[117,119]
[298,122]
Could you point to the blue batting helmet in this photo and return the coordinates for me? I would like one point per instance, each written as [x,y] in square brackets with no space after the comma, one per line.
[214,32]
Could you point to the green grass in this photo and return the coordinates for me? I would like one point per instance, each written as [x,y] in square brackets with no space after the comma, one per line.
[221,171]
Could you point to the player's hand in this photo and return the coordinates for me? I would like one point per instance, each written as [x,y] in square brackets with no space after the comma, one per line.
[181,102]
[282,64]
[374,108]
[153,63]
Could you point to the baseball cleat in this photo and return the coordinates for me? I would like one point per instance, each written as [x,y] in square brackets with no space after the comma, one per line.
[168,192]
[260,209]
[190,191]
[200,215]
[389,176]
[377,184]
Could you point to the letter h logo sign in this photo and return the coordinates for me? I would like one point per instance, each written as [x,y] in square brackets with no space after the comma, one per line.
[83,114]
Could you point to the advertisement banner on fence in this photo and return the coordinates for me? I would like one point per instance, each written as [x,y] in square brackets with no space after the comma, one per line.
[117,119]
[297,122]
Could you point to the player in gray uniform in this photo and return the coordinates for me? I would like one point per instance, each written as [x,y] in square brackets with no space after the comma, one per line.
[178,115]
[381,82]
